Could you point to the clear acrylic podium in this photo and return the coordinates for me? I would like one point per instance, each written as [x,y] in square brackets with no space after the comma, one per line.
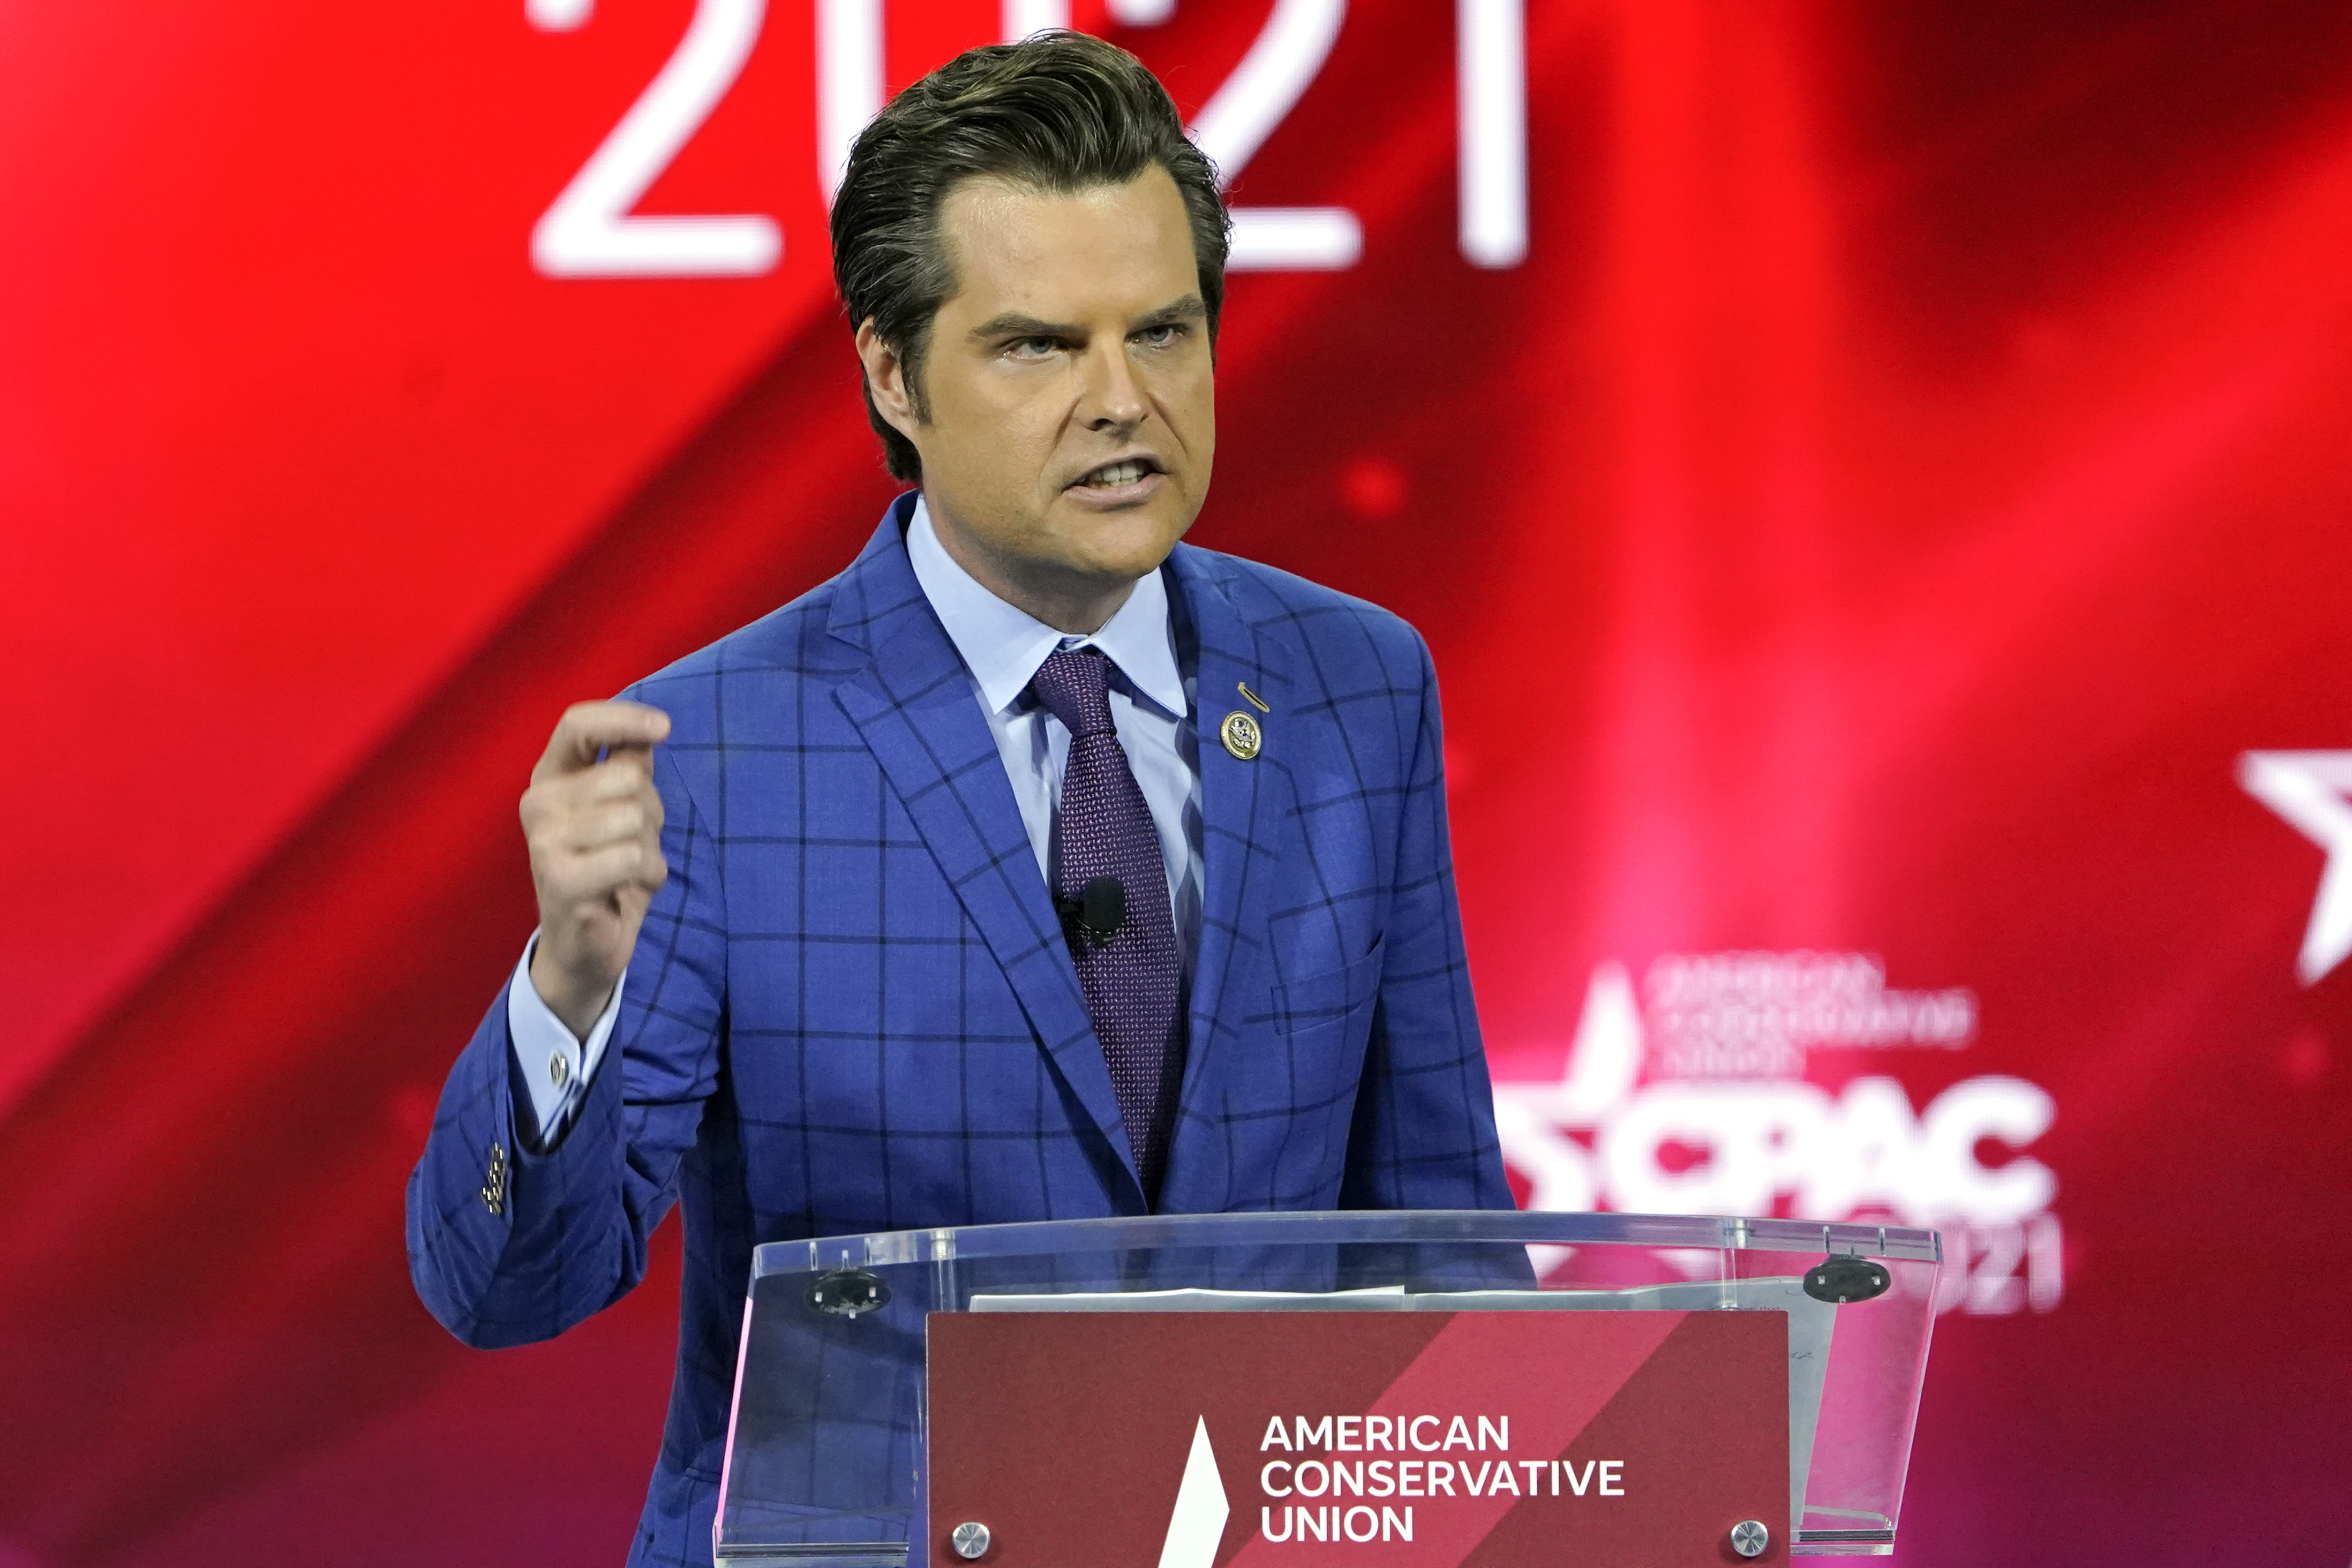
[826,1440]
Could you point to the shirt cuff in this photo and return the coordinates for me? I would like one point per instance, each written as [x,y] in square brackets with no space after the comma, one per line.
[556,1064]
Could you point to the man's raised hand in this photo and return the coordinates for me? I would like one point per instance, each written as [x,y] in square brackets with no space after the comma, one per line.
[594,830]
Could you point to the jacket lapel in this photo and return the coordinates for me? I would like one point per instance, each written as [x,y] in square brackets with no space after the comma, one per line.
[1244,805]
[912,703]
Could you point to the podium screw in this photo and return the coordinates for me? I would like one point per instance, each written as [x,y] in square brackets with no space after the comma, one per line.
[970,1539]
[1750,1538]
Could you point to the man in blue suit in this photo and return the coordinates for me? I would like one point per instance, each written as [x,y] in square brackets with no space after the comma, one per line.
[1036,867]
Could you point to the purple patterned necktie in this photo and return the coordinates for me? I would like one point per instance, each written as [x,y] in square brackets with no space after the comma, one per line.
[1131,976]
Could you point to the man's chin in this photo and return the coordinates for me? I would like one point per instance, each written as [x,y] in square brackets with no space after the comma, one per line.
[1107,573]
[1122,543]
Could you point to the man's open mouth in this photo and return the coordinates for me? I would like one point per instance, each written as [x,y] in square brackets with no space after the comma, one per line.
[1110,475]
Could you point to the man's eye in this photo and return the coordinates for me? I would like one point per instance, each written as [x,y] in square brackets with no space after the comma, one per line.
[1161,336]
[1034,348]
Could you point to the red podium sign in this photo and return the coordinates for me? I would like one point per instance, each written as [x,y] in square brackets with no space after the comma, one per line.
[1291,1439]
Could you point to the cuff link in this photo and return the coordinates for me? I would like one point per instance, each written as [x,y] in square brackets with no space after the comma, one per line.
[494,1191]
[558,1067]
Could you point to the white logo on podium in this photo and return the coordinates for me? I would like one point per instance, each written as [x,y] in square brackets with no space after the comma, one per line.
[1199,1522]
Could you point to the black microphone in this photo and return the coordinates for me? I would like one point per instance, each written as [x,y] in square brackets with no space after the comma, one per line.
[1099,909]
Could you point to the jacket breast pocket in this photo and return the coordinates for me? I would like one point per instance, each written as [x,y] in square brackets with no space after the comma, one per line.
[1333,1000]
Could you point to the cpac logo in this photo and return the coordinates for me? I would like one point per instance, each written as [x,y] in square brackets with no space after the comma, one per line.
[1692,1099]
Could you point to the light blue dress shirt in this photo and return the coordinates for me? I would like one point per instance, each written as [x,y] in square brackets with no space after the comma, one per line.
[1001,646]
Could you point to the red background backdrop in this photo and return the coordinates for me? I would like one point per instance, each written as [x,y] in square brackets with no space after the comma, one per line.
[1902,476]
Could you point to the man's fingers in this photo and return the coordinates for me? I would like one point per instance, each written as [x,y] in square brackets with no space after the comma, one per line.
[623,774]
[592,819]
[587,731]
[607,823]
[591,877]
[625,778]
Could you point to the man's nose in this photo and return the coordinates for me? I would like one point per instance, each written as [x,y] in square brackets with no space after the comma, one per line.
[1111,395]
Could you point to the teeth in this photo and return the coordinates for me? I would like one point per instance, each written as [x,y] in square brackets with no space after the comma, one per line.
[1126,472]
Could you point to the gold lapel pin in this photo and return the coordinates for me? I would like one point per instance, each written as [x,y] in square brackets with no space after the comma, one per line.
[1240,732]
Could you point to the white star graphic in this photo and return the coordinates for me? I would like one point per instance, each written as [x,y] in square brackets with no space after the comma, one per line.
[2309,788]
[1197,1523]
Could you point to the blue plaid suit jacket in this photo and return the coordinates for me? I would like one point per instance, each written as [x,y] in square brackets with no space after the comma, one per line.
[852,1008]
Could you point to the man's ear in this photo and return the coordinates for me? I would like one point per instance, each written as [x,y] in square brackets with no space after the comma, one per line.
[886,380]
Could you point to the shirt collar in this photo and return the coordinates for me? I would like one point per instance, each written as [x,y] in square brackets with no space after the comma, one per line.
[1002,644]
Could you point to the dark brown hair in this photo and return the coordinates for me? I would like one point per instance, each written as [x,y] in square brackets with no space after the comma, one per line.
[1057,112]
